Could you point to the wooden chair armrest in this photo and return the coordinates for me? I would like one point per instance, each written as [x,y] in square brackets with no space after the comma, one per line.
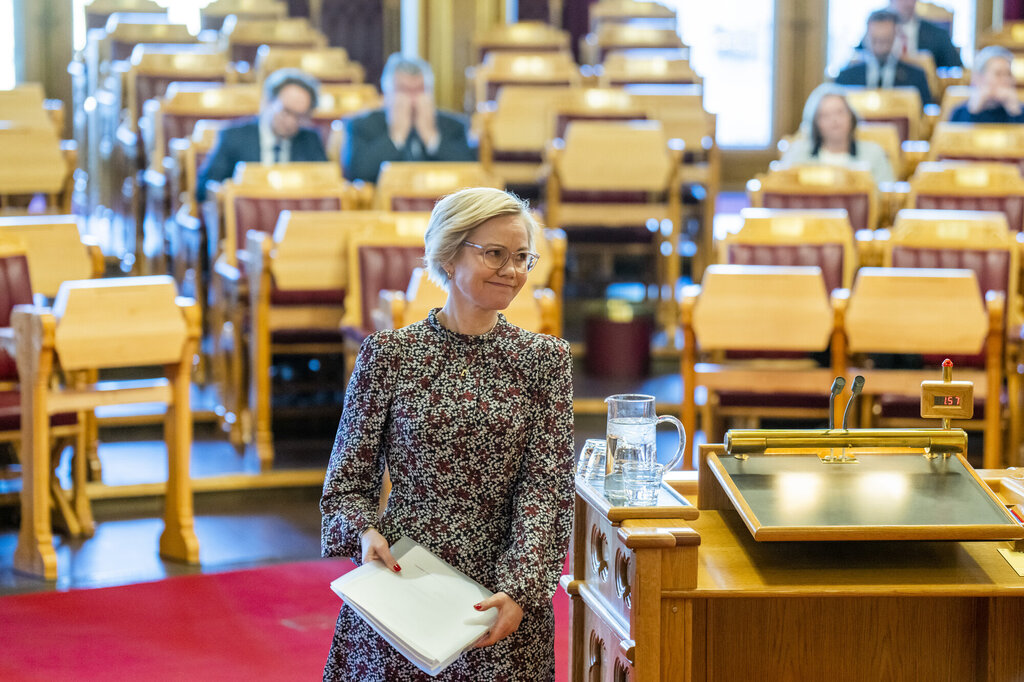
[390,312]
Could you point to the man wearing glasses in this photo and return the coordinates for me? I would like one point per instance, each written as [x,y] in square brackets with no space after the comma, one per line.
[278,135]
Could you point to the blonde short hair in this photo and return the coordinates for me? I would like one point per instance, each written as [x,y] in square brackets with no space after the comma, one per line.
[458,214]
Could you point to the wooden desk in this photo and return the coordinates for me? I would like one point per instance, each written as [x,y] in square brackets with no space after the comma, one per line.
[700,600]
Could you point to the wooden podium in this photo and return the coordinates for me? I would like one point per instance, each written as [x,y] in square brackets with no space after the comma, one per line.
[673,593]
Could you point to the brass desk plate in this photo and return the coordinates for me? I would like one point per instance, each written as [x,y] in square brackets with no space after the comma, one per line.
[897,493]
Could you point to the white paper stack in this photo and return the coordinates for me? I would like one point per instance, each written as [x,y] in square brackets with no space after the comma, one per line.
[425,611]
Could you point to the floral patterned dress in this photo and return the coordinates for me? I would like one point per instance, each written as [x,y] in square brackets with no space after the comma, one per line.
[477,435]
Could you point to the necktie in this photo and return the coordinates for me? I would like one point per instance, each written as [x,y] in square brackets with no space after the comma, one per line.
[904,46]
[277,152]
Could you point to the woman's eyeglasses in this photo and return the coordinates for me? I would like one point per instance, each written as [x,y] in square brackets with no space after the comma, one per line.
[495,257]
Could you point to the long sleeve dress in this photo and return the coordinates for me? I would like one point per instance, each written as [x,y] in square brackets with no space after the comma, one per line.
[477,433]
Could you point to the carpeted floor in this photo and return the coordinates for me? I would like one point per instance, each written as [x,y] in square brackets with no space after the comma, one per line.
[272,623]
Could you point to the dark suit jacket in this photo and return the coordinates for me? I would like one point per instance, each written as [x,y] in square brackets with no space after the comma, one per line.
[997,114]
[935,39]
[241,142]
[368,145]
[906,75]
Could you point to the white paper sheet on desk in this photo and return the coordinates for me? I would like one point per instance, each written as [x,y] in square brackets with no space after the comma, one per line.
[425,611]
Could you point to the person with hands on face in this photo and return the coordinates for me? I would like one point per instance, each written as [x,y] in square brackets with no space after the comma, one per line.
[408,128]
[993,96]
[473,418]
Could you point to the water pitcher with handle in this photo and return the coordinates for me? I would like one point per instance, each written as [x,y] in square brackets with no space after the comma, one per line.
[631,424]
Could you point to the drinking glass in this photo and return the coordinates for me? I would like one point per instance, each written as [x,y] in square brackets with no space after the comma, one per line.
[591,462]
[641,476]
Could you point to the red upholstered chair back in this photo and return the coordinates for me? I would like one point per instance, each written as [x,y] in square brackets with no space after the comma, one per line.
[902,124]
[182,125]
[564,119]
[858,206]
[384,266]
[150,86]
[418,204]
[828,257]
[261,213]
[1011,206]
[15,289]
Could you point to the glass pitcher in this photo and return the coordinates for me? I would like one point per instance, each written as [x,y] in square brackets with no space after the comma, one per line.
[632,422]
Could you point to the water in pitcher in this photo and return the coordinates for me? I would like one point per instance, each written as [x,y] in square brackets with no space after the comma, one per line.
[637,432]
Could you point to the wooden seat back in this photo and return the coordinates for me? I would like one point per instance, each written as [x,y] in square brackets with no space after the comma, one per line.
[925,61]
[336,101]
[256,195]
[417,185]
[1010,36]
[610,37]
[55,250]
[33,161]
[817,187]
[952,97]
[522,36]
[213,15]
[326,64]
[887,136]
[377,262]
[155,67]
[176,113]
[98,12]
[901,106]
[621,69]
[119,322]
[916,310]
[243,37]
[794,237]
[974,240]
[628,11]
[681,114]
[754,307]
[937,14]
[972,186]
[126,30]
[593,157]
[978,142]
[15,289]
[536,68]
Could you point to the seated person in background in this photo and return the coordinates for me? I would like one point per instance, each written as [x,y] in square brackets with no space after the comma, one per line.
[276,136]
[918,35]
[881,68]
[828,137]
[993,93]
[408,128]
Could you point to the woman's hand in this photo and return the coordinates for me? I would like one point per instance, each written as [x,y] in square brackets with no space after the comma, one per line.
[374,546]
[510,615]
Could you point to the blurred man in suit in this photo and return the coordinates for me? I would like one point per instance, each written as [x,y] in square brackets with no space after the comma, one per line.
[993,91]
[880,67]
[408,128]
[915,34]
[278,135]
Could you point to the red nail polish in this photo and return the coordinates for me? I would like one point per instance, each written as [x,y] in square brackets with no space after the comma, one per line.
[397,568]
[476,606]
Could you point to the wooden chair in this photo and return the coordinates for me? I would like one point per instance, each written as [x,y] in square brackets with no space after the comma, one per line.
[114,323]
[973,240]
[297,295]
[376,263]
[417,185]
[23,103]
[819,187]
[771,318]
[326,64]
[973,186]
[253,200]
[924,311]
[1010,36]
[926,62]
[547,69]
[243,38]
[599,194]
[155,67]
[901,106]
[176,113]
[629,11]
[953,97]
[611,37]
[977,142]
[37,171]
[74,515]
[621,68]
[516,129]
[98,12]
[213,15]
[523,36]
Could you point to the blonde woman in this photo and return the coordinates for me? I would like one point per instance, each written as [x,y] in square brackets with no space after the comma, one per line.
[473,417]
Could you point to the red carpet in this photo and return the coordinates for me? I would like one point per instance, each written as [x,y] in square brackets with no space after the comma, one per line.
[271,623]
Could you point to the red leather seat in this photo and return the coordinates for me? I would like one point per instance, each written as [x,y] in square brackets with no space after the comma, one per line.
[856,205]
